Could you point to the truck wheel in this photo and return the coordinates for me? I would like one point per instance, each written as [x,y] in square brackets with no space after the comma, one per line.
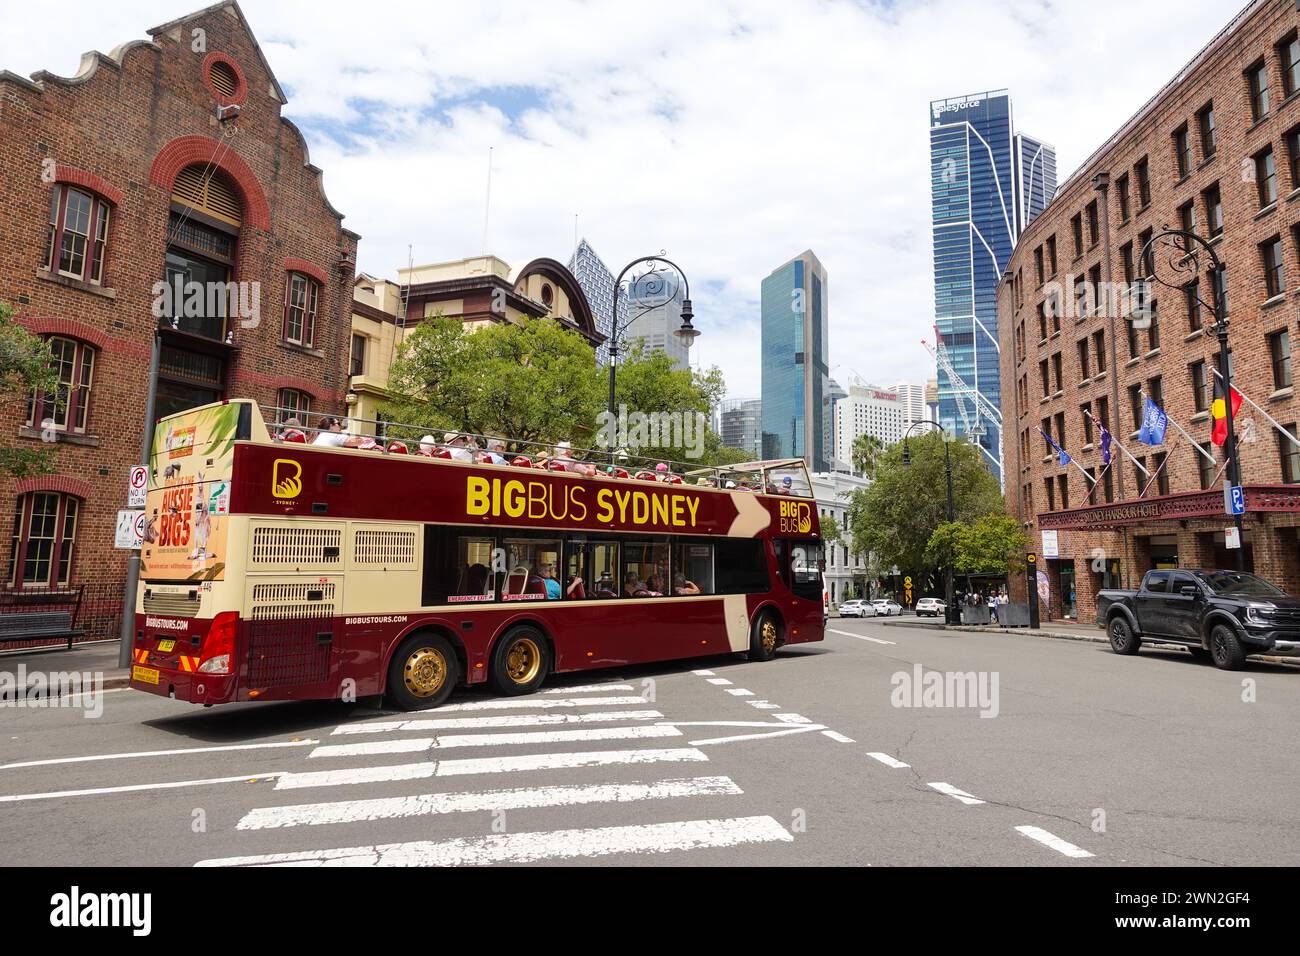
[1122,638]
[521,661]
[1225,649]
[764,637]
[423,672]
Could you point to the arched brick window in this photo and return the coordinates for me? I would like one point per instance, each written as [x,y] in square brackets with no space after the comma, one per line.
[77,241]
[68,409]
[293,403]
[44,539]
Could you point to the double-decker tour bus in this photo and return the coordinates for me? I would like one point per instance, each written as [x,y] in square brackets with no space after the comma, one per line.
[275,567]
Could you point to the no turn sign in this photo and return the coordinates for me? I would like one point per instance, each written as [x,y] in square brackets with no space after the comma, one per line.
[137,486]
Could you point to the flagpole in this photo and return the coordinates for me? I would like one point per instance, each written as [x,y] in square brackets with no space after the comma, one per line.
[1179,428]
[1115,441]
[1271,420]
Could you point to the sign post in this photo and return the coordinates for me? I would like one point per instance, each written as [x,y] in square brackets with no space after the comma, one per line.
[1031,588]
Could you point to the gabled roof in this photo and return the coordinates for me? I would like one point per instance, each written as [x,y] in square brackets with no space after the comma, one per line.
[239,15]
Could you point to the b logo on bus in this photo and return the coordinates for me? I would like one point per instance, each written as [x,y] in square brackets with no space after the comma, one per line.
[795,516]
[286,478]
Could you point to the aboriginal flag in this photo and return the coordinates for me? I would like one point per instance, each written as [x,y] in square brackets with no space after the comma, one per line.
[1220,412]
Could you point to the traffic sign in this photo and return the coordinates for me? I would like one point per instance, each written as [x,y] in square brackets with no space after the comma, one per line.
[1031,558]
[1234,499]
[1231,539]
[130,531]
[137,486]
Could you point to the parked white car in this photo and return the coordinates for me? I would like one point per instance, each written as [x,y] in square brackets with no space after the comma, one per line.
[929,607]
[856,608]
[886,608]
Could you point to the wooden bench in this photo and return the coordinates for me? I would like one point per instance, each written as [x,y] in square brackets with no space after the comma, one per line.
[38,625]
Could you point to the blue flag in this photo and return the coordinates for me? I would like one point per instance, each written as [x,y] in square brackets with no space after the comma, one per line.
[1062,456]
[1154,423]
[1105,446]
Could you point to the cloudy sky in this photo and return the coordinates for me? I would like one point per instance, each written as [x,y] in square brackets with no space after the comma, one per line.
[733,135]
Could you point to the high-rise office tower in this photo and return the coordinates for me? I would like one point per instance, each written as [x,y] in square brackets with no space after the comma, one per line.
[597,284]
[986,184]
[654,314]
[795,375]
[741,423]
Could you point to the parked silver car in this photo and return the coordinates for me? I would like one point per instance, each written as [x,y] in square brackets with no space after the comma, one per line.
[856,608]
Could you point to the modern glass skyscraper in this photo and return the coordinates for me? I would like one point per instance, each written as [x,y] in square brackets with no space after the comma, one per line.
[986,184]
[597,284]
[655,317]
[795,378]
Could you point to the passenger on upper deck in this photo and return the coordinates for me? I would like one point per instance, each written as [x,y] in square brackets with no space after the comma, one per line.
[494,454]
[564,454]
[291,430]
[331,433]
[458,444]
[786,484]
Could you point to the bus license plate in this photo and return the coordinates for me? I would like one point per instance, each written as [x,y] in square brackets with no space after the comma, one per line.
[166,646]
[147,675]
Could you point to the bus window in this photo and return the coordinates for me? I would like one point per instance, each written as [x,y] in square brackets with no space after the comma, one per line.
[531,569]
[740,566]
[603,564]
[645,569]
[694,562]
[788,481]
[457,566]
[805,569]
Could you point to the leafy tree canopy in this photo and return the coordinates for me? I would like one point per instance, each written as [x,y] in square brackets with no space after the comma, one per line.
[25,368]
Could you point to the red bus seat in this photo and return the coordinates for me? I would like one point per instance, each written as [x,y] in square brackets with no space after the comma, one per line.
[646,476]
[397,448]
[521,461]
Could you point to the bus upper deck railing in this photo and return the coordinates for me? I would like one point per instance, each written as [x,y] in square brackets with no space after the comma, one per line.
[778,477]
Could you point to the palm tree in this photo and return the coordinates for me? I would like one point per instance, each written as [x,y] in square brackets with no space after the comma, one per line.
[867,451]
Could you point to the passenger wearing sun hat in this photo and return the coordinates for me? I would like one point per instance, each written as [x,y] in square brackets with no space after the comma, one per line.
[458,451]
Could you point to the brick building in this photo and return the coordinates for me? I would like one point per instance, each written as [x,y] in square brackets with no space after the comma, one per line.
[1216,151]
[167,159]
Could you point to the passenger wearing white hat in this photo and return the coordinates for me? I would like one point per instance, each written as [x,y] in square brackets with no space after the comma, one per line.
[457,444]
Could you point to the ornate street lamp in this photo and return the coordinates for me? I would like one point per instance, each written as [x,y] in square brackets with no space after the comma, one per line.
[669,276]
[1179,252]
[952,514]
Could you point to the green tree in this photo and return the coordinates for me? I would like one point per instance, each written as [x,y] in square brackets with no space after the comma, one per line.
[895,518]
[25,368]
[532,380]
[994,544]
[832,533]
[867,452]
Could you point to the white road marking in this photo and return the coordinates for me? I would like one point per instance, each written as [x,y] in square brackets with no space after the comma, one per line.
[702,673]
[158,753]
[792,718]
[889,761]
[466,766]
[952,791]
[530,847]
[796,729]
[483,801]
[503,720]
[372,747]
[136,787]
[840,738]
[719,681]
[763,705]
[861,637]
[588,689]
[543,702]
[1053,841]
[556,736]
[740,692]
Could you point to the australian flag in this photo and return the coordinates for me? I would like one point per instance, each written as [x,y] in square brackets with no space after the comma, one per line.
[1062,456]
[1105,446]
[1154,423]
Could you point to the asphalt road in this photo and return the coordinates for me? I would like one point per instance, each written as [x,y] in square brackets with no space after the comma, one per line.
[1085,759]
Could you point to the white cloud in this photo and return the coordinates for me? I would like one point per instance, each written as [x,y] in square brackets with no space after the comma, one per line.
[732,135]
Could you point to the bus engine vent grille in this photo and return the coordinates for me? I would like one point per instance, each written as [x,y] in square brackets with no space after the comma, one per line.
[385,549]
[312,599]
[171,605]
[296,547]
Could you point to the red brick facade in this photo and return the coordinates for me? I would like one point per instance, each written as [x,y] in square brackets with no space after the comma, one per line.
[1181,527]
[123,129]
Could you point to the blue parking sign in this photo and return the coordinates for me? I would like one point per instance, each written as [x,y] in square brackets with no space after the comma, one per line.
[1238,500]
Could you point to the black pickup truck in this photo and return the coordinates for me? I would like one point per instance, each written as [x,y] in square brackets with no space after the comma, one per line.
[1226,615]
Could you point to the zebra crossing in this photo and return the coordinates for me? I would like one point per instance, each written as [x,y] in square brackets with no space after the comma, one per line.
[535,735]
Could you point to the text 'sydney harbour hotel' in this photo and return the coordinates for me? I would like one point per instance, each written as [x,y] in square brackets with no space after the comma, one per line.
[1216,152]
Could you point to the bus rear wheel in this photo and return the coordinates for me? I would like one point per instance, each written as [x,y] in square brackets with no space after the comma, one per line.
[423,672]
[521,661]
[765,637]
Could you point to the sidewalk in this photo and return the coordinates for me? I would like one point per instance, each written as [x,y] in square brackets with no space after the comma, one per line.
[1058,630]
[99,657]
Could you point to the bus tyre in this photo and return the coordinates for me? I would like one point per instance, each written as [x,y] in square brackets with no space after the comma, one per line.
[521,661]
[1122,638]
[1225,649]
[423,672]
[765,636]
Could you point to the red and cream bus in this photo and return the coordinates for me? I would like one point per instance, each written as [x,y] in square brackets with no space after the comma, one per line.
[284,570]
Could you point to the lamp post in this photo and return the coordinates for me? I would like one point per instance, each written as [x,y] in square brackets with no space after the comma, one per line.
[1182,251]
[952,514]
[687,332]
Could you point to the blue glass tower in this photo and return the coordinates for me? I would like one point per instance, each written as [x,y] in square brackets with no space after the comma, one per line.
[796,379]
[986,185]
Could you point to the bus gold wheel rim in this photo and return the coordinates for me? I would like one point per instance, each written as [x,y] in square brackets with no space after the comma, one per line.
[523,660]
[767,634]
[425,672]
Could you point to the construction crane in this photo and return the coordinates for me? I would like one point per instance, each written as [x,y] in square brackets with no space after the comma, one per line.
[939,352]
